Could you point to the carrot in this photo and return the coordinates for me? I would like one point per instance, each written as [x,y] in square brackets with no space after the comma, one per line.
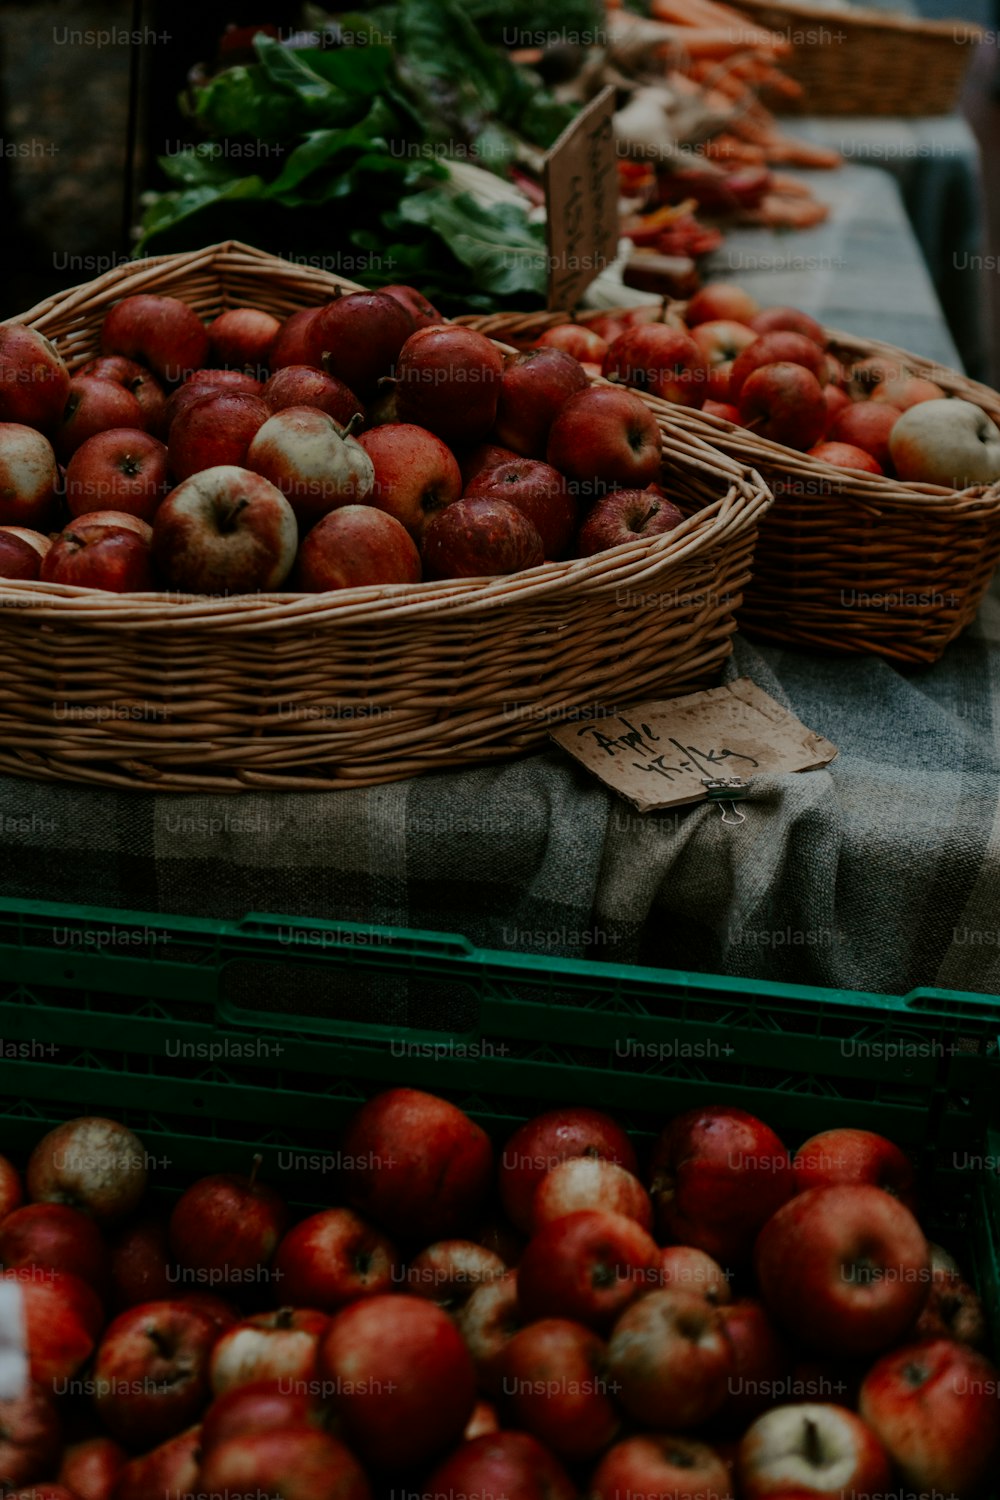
[784,151]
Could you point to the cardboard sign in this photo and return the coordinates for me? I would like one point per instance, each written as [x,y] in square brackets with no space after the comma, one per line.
[581,202]
[661,752]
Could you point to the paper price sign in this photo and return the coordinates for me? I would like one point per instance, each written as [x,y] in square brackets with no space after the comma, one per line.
[581,202]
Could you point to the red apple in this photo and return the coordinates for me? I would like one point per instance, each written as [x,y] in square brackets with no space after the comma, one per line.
[540,493]
[301,385]
[34,380]
[586,1266]
[122,469]
[208,383]
[90,1468]
[281,1346]
[160,332]
[589,1182]
[165,1473]
[242,336]
[112,558]
[295,1463]
[836,401]
[845,1268]
[487,1323]
[502,1466]
[691,1270]
[846,1155]
[19,558]
[484,1420]
[952,1310]
[296,342]
[403,1380]
[480,538]
[671,1358]
[721,300]
[214,430]
[483,456]
[94,406]
[93,1164]
[662,360]
[721,343]
[29,476]
[624,516]
[844,456]
[42,1492]
[772,349]
[907,390]
[11,1186]
[423,313]
[669,1467]
[785,404]
[608,326]
[866,425]
[716,1175]
[333,1258]
[144,387]
[225,531]
[315,463]
[122,520]
[62,1321]
[553,1385]
[533,390]
[934,1406]
[604,438]
[416,1164]
[228,1226]
[723,409]
[357,546]
[548,1139]
[30,1435]
[788,319]
[222,1313]
[814,1449]
[260,1406]
[449,1271]
[54,1236]
[151,1372]
[863,377]
[139,1263]
[359,337]
[575,339]
[448,380]
[761,1363]
[416,475]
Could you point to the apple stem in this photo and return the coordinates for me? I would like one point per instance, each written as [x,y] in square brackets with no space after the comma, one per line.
[357,420]
[386,380]
[814,1447]
[257,1161]
[230,512]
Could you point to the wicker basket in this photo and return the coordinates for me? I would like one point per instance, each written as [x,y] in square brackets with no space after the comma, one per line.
[362,686]
[845,563]
[868,62]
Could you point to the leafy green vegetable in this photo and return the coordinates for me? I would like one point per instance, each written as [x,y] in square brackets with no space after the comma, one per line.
[505,253]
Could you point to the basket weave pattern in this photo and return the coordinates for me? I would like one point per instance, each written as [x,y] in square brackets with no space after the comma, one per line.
[360,686]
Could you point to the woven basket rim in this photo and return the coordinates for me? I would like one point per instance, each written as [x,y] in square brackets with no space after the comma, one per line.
[959,30]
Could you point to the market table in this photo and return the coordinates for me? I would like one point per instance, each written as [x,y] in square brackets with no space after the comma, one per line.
[880,873]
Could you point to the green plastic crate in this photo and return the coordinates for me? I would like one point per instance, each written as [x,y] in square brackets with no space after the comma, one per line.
[215,1040]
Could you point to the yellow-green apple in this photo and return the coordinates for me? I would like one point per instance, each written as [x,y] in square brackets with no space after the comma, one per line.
[162,333]
[761,1364]
[302,385]
[671,1359]
[94,405]
[448,380]
[791,320]
[29,476]
[90,1468]
[548,1139]
[416,1164]
[315,463]
[403,1381]
[951,442]
[30,1435]
[480,538]
[814,1449]
[906,391]
[449,1271]
[260,1406]
[662,360]
[513,1465]
[113,558]
[121,469]
[296,342]
[242,336]
[359,337]
[215,430]
[144,387]
[554,1384]
[721,300]
[721,343]
[423,313]
[332,1258]
[124,520]
[225,531]
[55,1237]
[535,386]
[575,339]
[485,1419]
[691,1270]
[34,380]
[228,1225]
[63,1317]
[539,492]
[20,556]
[139,1263]
[935,1407]
[625,516]
[281,1345]
[415,474]
[586,1266]
[590,1182]
[356,546]
[166,1472]
[151,1371]
[716,1175]
[474,461]
[11,1186]
[845,1268]
[776,348]
[952,1310]
[487,1323]
[867,425]
[604,438]
[667,1466]
[845,456]
[784,403]
[848,1155]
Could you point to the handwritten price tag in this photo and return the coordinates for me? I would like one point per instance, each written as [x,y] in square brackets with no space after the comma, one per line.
[660,753]
[581,198]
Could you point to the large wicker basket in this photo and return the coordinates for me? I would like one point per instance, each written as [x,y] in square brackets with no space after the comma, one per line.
[317,691]
[854,61]
[845,563]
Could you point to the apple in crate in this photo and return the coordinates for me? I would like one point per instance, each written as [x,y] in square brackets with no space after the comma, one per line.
[776,348]
[487,1323]
[123,469]
[228,1224]
[302,385]
[784,403]
[63,1317]
[91,1163]
[845,456]
[589,1182]
[534,388]
[113,558]
[475,461]
[480,537]
[540,493]
[11,1186]
[29,476]
[553,1385]
[295,1463]
[242,336]
[665,361]
[691,1270]
[667,1466]
[449,1271]
[624,516]
[586,1266]
[225,531]
[761,1366]
[867,425]
[260,1406]
[315,463]
[359,337]
[513,1465]
[20,555]
[140,1269]
[30,1434]
[671,1358]
[416,474]
[847,1155]
[143,386]
[575,339]
[93,406]
[55,1237]
[162,333]
[548,1139]
[34,380]
[952,1310]
[90,1468]
[423,313]
[356,546]
[448,380]
[788,320]
[721,300]
[333,1258]
[280,1346]
[214,430]
[165,1472]
[151,1371]
[605,438]
[813,1449]
[951,443]
[721,343]
[296,342]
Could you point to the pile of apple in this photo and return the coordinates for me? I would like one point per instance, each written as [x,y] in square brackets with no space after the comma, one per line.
[771,371]
[362,442]
[727,1320]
